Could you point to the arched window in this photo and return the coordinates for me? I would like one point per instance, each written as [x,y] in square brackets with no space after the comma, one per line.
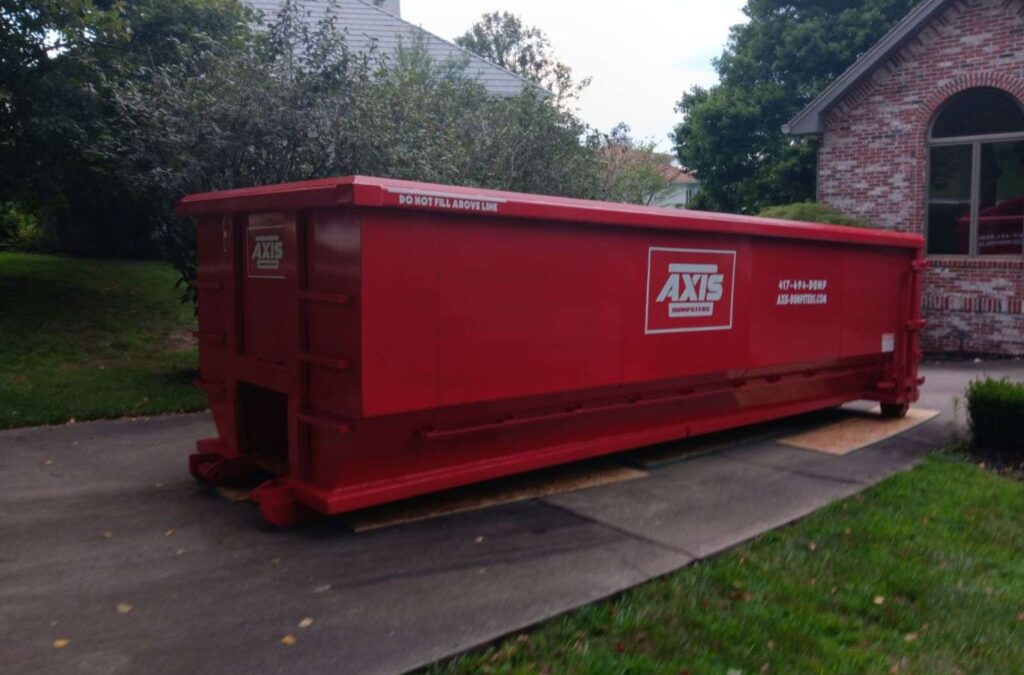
[976,175]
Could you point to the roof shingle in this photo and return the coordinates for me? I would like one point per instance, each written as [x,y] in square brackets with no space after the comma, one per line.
[364,24]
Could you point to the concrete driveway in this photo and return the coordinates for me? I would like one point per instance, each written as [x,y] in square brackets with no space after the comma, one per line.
[106,542]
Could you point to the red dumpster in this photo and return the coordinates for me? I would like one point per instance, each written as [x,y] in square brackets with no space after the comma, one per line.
[370,340]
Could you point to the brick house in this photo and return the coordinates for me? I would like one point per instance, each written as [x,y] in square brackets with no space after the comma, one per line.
[925,133]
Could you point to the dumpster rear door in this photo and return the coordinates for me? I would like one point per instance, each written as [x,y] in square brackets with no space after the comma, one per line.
[268,287]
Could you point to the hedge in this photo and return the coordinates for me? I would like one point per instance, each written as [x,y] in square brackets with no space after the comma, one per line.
[811,212]
[996,411]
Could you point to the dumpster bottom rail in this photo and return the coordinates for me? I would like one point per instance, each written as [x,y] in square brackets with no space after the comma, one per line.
[392,458]
[403,487]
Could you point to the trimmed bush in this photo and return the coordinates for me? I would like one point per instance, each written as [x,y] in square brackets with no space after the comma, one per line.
[812,212]
[996,412]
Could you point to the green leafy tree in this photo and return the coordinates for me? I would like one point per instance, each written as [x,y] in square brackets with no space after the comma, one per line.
[633,171]
[290,101]
[771,68]
[47,101]
[61,61]
[114,111]
[503,38]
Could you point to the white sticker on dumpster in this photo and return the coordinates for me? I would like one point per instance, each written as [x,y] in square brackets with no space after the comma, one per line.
[266,252]
[448,201]
[689,290]
[888,343]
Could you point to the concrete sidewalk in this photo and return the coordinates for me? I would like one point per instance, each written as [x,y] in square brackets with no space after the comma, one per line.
[95,515]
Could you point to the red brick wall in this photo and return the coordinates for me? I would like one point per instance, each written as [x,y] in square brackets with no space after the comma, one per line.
[873,155]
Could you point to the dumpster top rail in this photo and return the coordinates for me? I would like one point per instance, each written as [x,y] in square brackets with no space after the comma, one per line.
[362,191]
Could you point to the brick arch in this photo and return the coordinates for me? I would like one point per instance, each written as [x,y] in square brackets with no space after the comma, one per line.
[926,113]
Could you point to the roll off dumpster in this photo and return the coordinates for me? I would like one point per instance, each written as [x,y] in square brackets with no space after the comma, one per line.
[370,340]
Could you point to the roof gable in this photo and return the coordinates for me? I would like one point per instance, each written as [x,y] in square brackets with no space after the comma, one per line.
[810,119]
[365,23]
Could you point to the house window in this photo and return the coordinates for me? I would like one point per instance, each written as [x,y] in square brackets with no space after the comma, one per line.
[976,175]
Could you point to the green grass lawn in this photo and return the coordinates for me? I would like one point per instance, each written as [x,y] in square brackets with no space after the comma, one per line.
[921,574]
[86,339]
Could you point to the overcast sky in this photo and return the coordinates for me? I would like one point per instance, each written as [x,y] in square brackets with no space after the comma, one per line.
[641,54]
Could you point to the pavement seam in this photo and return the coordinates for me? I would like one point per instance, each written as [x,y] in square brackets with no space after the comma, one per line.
[833,479]
[806,474]
[615,528]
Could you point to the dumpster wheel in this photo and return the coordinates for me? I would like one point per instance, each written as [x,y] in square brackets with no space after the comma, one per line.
[895,411]
[278,505]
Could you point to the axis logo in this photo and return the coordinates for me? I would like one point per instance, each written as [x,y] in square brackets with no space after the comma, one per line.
[266,252]
[689,290]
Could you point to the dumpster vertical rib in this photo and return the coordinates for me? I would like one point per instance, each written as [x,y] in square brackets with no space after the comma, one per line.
[301,460]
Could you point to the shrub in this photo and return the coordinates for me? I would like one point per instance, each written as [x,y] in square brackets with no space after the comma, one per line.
[995,409]
[290,101]
[812,212]
[20,230]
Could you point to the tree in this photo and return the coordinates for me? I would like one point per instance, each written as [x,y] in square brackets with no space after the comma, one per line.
[60,62]
[113,118]
[503,39]
[634,171]
[46,101]
[771,68]
[289,101]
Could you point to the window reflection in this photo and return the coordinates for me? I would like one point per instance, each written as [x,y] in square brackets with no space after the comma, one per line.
[1001,213]
[976,175]
[949,205]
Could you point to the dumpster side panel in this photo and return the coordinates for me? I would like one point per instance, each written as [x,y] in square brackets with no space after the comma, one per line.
[527,310]
[460,310]
[877,306]
[686,305]
[329,304]
[399,306]
[797,303]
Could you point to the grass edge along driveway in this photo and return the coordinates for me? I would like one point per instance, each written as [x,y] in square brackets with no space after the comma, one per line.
[85,338]
[923,573]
